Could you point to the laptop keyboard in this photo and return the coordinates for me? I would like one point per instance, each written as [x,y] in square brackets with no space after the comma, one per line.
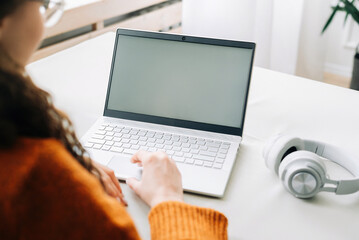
[182,149]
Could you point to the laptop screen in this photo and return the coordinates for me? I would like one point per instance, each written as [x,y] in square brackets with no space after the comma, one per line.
[185,80]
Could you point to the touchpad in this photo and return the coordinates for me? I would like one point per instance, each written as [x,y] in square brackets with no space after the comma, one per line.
[124,168]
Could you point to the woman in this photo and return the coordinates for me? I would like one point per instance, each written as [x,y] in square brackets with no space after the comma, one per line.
[50,188]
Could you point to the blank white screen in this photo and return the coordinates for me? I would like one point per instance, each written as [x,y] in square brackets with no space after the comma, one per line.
[180,80]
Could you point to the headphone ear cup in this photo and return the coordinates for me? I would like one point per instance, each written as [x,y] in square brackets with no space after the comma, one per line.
[278,147]
[302,173]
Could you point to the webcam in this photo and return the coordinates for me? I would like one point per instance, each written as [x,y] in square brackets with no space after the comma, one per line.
[183,38]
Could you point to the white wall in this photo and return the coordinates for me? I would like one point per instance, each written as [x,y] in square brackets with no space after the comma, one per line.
[230,19]
[287,32]
[339,56]
[313,45]
[273,24]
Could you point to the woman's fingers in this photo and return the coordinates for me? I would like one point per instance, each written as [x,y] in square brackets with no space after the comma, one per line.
[113,178]
[161,180]
[133,183]
[112,186]
[116,183]
[140,157]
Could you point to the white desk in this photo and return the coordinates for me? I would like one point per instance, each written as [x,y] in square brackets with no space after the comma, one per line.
[256,204]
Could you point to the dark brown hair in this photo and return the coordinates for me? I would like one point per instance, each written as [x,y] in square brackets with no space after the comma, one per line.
[28,111]
[9,6]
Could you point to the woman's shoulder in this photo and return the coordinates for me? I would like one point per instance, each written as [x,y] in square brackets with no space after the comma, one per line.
[26,151]
[29,157]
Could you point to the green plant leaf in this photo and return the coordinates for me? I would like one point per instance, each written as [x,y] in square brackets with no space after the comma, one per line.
[346,18]
[335,9]
[352,10]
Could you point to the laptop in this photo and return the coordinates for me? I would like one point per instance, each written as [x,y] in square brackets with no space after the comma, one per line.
[184,95]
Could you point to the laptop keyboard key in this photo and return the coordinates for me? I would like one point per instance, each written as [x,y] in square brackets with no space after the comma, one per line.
[127,136]
[100,132]
[194,146]
[142,143]
[217,165]
[205,158]
[208,164]
[125,131]
[219,160]
[198,162]
[126,145]
[170,152]
[188,155]
[134,142]
[215,145]
[205,153]
[186,145]
[181,148]
[142,134]
[108,138]
[116,149]
[98,141]
[178,159]
[176,149]
[186,150]
[189,161]
[144,148]
[105,147]
[194,151]
[166,137]
[118,134]
[179,154]
[222,150]
[211,149]
[159,146]
[135,147]
[97,146]
[143,138]
[134,137]
[97,136]
[88,145]
[129,151]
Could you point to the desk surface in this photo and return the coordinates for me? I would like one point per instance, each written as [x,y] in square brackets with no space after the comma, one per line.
[256,204]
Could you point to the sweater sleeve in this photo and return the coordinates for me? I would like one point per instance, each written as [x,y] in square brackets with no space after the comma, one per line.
[61,200]
[176,220]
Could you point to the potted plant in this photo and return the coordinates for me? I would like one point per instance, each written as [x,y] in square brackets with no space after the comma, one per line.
[349,7]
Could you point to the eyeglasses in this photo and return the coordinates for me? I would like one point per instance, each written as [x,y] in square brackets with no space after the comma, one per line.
[51,10]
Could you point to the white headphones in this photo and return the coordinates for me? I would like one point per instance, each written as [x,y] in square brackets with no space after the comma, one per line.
[297,163]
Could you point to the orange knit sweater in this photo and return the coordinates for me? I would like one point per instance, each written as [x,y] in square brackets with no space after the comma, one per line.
[46,194]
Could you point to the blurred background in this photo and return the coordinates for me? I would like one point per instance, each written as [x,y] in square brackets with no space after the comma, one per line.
[287,32]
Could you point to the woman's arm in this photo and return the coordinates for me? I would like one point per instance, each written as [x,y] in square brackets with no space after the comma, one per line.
[62,200]
[170,218]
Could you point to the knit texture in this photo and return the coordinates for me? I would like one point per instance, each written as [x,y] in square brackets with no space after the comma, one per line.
[46,194]
[190,222]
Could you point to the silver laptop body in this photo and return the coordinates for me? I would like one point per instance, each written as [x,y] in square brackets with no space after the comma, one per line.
[183,95]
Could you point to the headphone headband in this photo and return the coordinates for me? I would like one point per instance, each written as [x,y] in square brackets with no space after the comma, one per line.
[343,158]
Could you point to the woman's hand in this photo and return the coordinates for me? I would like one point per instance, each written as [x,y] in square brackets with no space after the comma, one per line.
[112,186]
[161,180]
